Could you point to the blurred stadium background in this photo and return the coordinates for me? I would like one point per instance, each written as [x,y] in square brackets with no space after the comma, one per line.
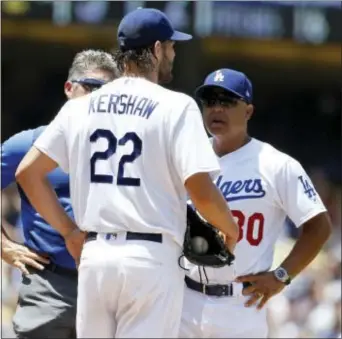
[291,50]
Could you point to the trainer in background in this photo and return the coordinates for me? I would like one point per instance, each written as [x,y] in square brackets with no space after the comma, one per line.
[47,295]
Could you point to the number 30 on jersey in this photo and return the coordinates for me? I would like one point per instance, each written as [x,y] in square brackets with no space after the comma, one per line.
[250,227]
[113,143]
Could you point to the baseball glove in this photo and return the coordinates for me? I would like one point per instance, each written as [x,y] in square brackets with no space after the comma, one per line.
[217,255]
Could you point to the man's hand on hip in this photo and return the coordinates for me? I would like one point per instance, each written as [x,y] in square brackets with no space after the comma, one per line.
[74,243]
[19,256]
[263,286]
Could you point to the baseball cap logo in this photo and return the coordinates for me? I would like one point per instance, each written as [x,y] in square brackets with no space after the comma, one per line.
[219,77]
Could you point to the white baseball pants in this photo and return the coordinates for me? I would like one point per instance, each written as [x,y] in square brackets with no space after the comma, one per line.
[129,289]
[221,317]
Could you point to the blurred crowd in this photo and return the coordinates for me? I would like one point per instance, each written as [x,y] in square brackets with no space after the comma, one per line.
[309,308]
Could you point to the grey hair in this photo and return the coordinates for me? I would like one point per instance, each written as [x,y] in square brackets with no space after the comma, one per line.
[89,60]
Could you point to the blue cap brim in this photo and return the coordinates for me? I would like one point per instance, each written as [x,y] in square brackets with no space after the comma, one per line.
[199,90]
[180,36]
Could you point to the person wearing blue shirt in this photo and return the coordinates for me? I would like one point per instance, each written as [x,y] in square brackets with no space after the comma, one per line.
[47,296]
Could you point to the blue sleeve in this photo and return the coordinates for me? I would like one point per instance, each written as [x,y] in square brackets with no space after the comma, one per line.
[13,151]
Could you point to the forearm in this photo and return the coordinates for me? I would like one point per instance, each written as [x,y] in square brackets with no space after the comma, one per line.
[313,236]
[44,199]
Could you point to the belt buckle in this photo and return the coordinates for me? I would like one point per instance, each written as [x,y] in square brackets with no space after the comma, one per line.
[111,235]
[222,290]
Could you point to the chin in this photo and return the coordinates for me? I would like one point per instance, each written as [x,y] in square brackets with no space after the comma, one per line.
[216,131]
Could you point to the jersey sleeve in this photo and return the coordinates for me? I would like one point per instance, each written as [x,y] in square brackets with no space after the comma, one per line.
[53,141]
[298,196]
[13,151]
[191,149]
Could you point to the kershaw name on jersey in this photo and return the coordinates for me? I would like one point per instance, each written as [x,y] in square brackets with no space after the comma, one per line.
[122,104]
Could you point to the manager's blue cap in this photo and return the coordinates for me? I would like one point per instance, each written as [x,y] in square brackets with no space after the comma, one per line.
[230,80]
[144,26]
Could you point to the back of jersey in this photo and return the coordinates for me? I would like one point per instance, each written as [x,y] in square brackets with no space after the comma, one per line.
[131,185]
[129,148]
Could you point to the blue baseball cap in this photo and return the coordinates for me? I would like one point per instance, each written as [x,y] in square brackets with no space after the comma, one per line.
[230,80]
[144,26]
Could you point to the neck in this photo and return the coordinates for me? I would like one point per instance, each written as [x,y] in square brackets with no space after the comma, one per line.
[131,70]
[223,145]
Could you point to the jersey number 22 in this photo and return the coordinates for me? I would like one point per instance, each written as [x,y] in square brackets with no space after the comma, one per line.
[113,143]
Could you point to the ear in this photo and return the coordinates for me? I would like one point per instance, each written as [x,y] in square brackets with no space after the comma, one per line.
[158,50]
[68,89]
[249,111]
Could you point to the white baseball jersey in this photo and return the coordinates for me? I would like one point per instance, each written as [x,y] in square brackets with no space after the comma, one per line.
[262,186]
[129,147]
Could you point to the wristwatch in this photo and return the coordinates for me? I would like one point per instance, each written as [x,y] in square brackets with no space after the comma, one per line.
[281,274]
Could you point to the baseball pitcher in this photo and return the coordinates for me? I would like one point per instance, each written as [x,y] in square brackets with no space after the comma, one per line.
[133,150]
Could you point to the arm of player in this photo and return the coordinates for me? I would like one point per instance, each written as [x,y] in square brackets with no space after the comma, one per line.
[49,151]
[196,161]
[304,207]
[12,152]
[31,175]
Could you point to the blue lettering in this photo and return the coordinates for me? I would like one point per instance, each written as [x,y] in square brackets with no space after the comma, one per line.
[309,190]
[218,182]
[150,108]
[257,186]
[237,186]
[241,189]
[141,105]
[113,101]
[130,104]
[101,102]
[249,186]
[92,105]
[122,104]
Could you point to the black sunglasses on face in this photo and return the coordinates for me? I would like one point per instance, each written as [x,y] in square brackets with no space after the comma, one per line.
[227,102]
[89,84]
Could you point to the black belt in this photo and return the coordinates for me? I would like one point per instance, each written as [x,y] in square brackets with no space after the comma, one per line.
[61,270]
[212,290]
[155,237]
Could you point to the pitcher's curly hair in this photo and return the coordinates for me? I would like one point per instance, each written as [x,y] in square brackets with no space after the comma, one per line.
[142,57]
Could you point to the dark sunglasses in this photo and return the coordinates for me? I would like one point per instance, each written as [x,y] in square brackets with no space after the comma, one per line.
[90,84]
[227,102]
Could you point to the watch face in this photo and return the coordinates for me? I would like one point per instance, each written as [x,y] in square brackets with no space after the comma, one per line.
[281,274]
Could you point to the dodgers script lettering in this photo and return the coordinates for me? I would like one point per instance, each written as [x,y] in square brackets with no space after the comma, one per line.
[240,189]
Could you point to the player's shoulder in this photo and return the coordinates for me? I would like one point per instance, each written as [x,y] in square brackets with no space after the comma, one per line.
[75,105]
[271,152]
[275,159]
[22,141]
[179,103]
